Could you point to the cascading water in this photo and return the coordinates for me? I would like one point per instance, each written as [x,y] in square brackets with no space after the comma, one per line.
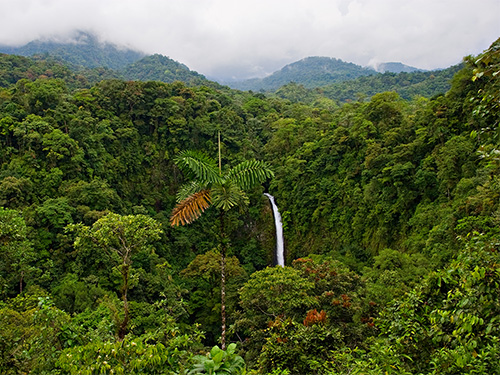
[280,248]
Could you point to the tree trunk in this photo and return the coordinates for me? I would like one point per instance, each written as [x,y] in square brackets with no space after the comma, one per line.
[21,283]
[223,281]
[122,330]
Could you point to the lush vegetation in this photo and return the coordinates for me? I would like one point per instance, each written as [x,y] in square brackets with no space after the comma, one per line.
[407,85]
[390,208]
[163,69]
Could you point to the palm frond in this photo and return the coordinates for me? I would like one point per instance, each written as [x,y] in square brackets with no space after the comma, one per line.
[250,172]
[188,189]
[191,208]
[199,166]
[228,195]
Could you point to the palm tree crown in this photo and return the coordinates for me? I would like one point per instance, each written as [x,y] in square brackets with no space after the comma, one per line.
[209,186]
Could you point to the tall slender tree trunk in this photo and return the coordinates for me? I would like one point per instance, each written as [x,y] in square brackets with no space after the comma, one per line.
[122,330]
[223,281]
[21,283]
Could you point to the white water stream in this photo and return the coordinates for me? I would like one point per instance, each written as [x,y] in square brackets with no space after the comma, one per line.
[280,248]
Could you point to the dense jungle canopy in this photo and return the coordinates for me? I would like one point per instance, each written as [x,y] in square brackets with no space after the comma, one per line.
[390,209]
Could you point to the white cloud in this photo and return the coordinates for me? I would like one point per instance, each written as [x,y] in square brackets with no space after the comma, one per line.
[234,37]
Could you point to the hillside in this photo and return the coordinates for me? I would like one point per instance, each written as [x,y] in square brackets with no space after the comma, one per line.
[86,56]
[14,68]
[407,85]
[309,72]
[83,50]
[150,68]
[163,69]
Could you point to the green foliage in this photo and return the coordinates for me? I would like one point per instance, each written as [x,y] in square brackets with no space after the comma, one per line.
[74,295]
[124,235]
[393,274]
[450,323]
[14,68]
[121,237]
[380,190]
[224,191]
[161,68]
[407,85]
[16,253]
[198,166]
[203,279]
[140,355]
[275,292]
[281,313]
[219,361]
[486,70]
[298,348]
[127,357]
[33,331]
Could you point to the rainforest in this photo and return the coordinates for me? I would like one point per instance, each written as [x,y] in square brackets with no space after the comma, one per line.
[135,236]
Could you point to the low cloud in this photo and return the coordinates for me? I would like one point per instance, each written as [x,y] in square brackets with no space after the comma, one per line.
[227,38]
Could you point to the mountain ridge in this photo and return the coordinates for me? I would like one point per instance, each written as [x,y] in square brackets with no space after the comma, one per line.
[83,49]
[312,71]
[338,80]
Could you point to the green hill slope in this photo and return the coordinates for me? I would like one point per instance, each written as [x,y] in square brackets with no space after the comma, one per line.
[310,72]
[84,50]
[163,69]
[407,85]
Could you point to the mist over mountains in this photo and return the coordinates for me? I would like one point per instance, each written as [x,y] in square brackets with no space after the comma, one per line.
[85,50]
[81,50]
[396,67]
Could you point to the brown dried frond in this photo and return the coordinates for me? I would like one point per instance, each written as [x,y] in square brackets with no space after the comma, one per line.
[191,208]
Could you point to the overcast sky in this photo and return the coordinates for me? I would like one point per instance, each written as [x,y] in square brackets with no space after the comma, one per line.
[241,38]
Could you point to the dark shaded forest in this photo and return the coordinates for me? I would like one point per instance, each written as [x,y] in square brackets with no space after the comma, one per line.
[390,208]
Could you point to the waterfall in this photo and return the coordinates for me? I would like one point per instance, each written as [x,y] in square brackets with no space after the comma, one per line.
[280,249]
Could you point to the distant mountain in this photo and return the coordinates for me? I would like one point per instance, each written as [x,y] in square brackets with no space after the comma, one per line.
[309,72]
[161,68]
[407,85]
[82,50]
[396,67]
[93,61]
[84,61]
